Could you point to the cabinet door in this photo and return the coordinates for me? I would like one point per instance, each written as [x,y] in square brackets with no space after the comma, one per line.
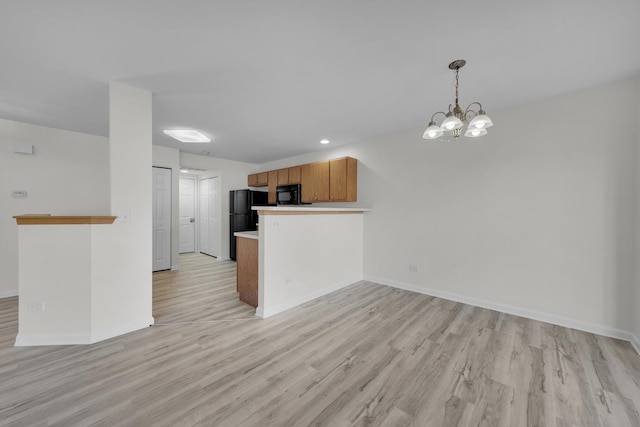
[272,179]
[294,175]
[247,270]
[257,179]
[263,179]
[315,182]
[343,176]
[338,179]
[283,176]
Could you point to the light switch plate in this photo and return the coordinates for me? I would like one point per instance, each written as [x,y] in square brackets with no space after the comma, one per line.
[125,216]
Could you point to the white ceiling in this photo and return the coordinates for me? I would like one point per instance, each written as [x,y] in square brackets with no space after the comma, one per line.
[270,79]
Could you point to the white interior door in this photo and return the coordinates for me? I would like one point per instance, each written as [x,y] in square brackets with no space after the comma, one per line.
[214,217]
[187,215]
[209,215]
[161,219]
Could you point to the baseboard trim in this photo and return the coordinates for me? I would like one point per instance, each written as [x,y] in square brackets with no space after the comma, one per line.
[32,340]
[8,294]
[265,312]
[516,311]
[121,330]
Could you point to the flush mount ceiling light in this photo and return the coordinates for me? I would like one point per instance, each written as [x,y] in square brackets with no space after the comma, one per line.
[456,120]
[324,141]
[187,135]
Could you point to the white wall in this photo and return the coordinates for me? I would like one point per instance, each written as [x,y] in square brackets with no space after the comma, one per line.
[233,176]
[535,218]
[170,158]
[66,175]
[122,254]
[303,257]
[55,273]
[636,216]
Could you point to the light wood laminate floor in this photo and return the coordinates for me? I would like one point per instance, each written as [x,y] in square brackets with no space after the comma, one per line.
[365,355]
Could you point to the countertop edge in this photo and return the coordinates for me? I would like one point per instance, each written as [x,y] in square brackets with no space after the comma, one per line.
[247,234]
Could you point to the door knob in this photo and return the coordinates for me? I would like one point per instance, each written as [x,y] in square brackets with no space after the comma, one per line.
[192,220]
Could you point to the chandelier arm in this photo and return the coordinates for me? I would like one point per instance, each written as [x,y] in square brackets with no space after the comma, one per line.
[439,112]
[475,113]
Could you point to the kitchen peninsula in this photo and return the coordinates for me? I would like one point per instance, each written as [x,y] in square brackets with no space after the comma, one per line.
[304,253]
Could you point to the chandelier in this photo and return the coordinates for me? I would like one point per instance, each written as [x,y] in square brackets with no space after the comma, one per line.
[455,120]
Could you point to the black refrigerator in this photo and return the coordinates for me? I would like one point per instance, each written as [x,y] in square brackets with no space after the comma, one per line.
[241,217]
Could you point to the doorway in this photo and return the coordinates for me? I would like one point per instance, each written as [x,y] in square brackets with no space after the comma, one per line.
[209,216]
[187,211]
[161,218]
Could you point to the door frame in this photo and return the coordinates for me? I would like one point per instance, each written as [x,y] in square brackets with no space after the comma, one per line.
[196,208]
[170,217]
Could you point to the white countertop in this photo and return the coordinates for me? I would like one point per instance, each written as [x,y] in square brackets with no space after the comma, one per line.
[247,234]
[303,208]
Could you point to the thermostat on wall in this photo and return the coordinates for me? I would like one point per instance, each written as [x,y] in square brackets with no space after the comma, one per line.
[22,148]
[18,193]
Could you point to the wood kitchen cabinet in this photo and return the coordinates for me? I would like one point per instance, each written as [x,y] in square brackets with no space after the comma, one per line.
[247,270]
[272,179]
[330,181]
[258,179]
[288,176]
[343,180]
[294,175]
[283,176]
[315,182]
[334,180]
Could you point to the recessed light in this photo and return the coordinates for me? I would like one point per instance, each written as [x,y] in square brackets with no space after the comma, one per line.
[184,171]
[187,135]
[324,141]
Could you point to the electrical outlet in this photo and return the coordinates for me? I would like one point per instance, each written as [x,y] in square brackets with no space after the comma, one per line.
[275,224]
[414,267]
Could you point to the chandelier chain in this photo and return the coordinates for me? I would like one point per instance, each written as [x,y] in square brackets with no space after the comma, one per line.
[457,72]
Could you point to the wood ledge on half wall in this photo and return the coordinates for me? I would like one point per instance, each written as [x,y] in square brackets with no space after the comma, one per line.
[47,219]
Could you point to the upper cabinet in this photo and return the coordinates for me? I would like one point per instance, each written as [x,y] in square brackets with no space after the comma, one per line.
[343,180]
[294,175]
[272,178]
[289,175]
[334,180]
[315,182]
[258,179]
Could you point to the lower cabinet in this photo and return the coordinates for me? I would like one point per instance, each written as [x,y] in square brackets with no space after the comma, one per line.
[247,270]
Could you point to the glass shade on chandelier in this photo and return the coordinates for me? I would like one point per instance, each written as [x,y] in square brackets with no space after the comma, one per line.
[468,122]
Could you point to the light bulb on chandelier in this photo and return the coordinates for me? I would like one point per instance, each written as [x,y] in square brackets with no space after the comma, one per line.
[455,120]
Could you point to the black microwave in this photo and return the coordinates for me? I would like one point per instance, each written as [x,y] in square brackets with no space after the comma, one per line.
[289,194]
